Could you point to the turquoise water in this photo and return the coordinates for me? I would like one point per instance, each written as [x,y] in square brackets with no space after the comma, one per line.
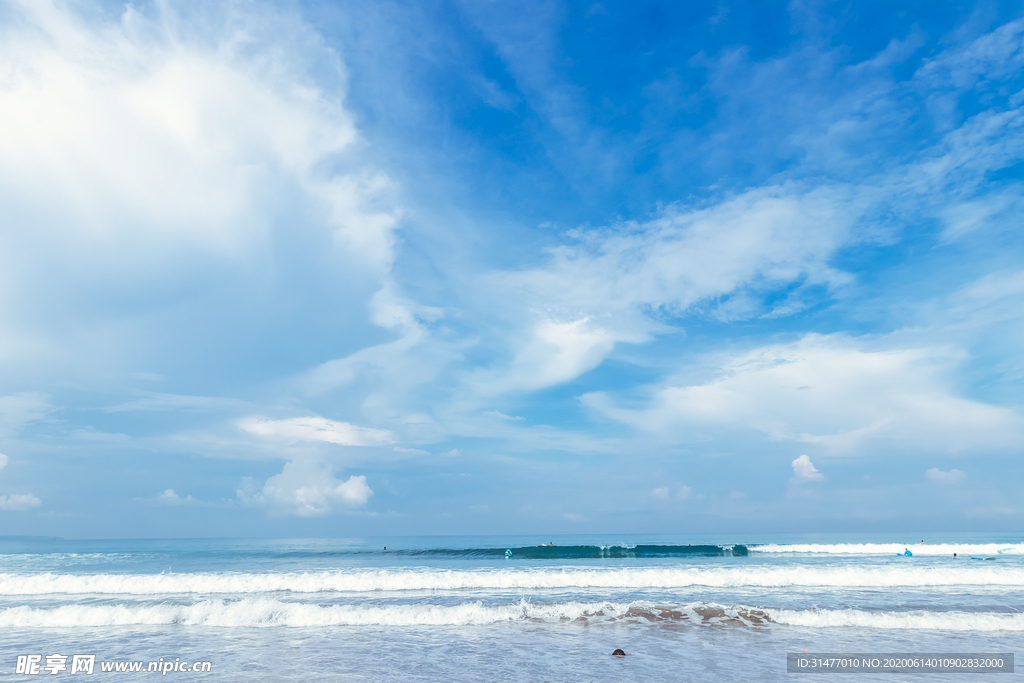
[682,607]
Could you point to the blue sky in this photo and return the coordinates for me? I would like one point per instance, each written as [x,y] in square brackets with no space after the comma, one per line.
[334,269]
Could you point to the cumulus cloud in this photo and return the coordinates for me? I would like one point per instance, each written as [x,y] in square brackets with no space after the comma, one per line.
[307,490]
[16,501]
[19,501]
[305,487]
[316,429]
[149,117]
[804,470]
[834,391]
[937,476]
[662,493]
[171,498]
[169,143]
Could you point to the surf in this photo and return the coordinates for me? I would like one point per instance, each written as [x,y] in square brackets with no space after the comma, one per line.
[269,612]
[527,578]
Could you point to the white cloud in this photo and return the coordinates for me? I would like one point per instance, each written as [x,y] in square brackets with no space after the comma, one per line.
[502,416]
[19,502]
[977,214]
[662,493]
[555,352]
[831,390]
[149,117]
[573,517]
[172,498]
[316,429]
[805,470]
[19,410]
[155,148]
[937,476]
[599,291]
[729,256]
[609,286]
[307,490]
[16,501]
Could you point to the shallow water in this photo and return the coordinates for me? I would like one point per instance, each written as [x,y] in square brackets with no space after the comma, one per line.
[454,608]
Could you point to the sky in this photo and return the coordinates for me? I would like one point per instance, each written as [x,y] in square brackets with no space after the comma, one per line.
[334,269]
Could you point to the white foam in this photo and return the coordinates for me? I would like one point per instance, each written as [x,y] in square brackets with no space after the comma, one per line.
[265,612]
[898,574]
[922,620]
[947,549]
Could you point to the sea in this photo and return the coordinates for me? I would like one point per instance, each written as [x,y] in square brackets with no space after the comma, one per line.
[684,607]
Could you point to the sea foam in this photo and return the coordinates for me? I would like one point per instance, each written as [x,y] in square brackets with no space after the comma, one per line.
[947,549]
[268,612]
[360,581]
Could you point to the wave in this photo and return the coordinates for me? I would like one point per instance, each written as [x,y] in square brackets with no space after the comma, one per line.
[581,552]
[544,552]
[915,620]
[947,549]
[359,581]
[267,612]
[578,552]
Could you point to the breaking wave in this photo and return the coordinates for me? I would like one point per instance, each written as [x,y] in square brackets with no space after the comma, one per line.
[963,550]
[269,612]
[580,552]
[359,581]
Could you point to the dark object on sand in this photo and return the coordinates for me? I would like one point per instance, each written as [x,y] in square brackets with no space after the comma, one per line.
[618,653]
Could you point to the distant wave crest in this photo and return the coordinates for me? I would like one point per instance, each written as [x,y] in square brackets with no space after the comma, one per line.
[963,550]
[360,581]
[581,552]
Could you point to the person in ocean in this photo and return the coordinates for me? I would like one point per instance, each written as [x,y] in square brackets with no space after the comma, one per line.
[954,556]
[907,553]
[508,553]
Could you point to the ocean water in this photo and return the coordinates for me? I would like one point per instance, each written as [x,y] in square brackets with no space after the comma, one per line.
[455,609]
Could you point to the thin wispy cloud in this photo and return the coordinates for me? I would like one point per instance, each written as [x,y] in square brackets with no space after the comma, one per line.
[316,429]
